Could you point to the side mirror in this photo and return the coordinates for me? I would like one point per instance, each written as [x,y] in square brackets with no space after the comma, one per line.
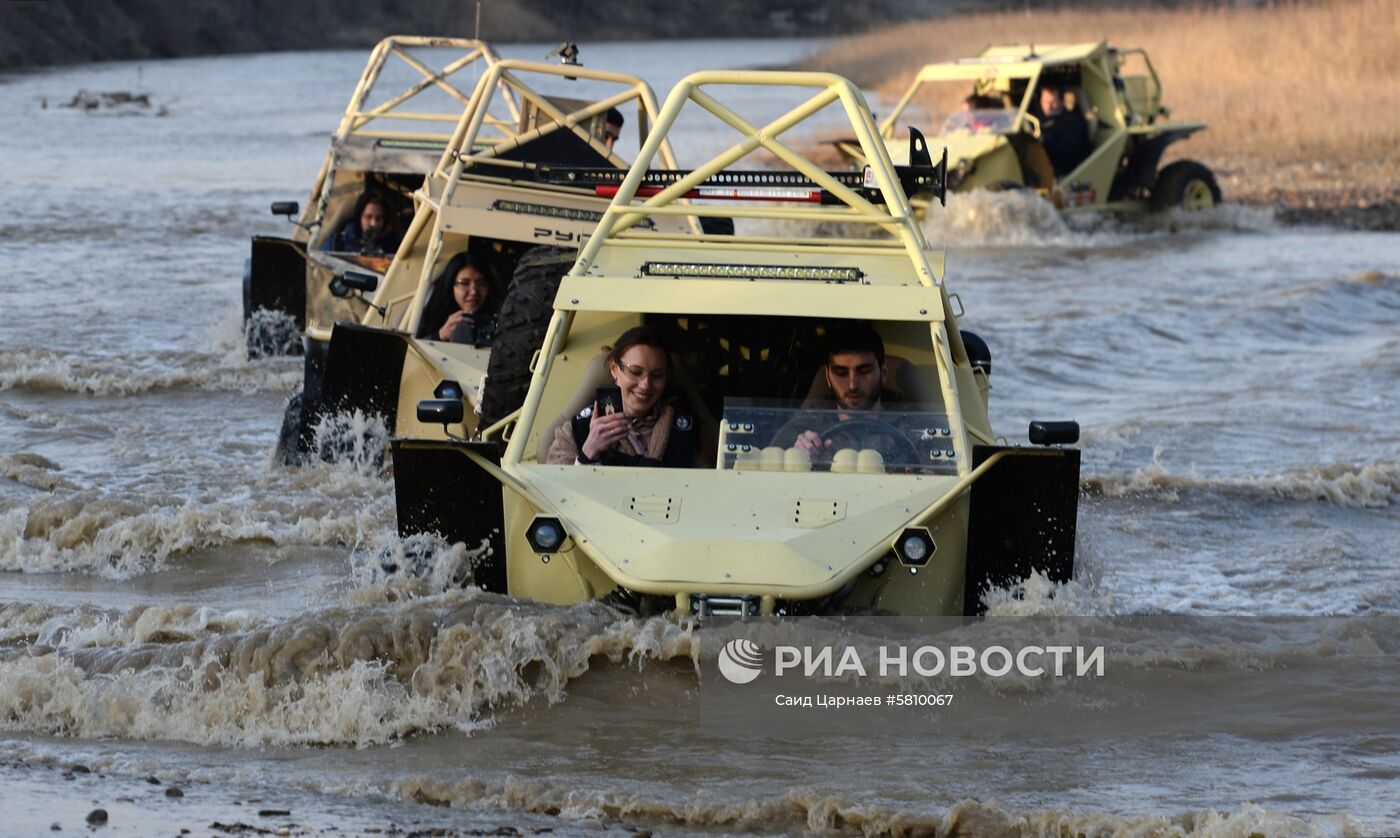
[1054,433]
[356,281]
[287,208]
[440,412]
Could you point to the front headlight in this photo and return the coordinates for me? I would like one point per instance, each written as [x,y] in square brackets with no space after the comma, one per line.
[546,535]
[915,546]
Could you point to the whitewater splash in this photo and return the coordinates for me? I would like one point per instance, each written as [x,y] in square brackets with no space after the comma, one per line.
[356,676]
[139,530]
[353,439]
[1021,218]
[814,811]
[1370,485]
[45,370]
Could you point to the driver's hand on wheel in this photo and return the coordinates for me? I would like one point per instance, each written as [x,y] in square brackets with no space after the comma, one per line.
[812,443]
[603,432]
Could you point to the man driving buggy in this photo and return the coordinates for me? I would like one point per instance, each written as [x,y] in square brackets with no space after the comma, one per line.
[855,372]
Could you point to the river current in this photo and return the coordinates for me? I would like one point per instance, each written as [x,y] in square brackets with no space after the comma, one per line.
[175,606]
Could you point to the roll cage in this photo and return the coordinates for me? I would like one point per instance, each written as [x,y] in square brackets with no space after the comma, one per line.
[885,271]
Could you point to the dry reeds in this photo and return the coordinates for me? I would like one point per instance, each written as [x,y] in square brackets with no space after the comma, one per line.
[1285,83]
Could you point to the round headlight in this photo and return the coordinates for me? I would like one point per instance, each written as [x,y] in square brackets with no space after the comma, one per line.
[915,547]
[548,536]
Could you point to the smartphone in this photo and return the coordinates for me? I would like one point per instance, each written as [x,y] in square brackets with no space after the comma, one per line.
[609,399]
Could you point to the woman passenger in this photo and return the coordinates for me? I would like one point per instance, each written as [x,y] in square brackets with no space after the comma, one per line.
[650,430]
[462,306]
[371,229]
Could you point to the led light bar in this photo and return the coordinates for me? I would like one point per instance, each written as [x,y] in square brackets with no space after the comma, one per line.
[818,273]
[544,209]
[413,145]
[728,193]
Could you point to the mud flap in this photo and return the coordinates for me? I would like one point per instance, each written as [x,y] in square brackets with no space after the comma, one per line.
[276,281]
[361,371]
[1023,518]
[304,408]
[439,489]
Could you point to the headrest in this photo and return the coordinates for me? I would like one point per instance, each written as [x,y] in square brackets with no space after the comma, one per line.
[903,378]
[595,375]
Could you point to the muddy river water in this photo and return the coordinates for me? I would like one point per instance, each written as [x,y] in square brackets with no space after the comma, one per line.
[178,611]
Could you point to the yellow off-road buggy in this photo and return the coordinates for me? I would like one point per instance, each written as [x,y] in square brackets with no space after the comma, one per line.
[918,520]
[393,132]
[489,195]
[987,112]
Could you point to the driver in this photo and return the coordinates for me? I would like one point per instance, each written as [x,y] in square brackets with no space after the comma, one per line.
[855,373]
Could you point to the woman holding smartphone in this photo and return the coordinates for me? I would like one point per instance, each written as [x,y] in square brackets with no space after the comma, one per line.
[634,422]
[462,306]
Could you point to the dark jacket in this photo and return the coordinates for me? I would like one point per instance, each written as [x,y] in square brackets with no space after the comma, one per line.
[1065,136]
[442,304]
[680,446]
[351,239]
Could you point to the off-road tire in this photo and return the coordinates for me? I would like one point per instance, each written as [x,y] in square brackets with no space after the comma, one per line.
[289,450]
[521,326]
[1185,184]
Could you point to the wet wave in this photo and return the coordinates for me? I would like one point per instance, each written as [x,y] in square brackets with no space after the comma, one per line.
[357,676]
[1373,484]
[45,370]
[1038,596]
[123,535]
[34,471]
[825,813]
[1019,218]
[69,627]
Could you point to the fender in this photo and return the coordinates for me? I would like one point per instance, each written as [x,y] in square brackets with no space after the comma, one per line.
[439,489]
[362,368]
[1023,518]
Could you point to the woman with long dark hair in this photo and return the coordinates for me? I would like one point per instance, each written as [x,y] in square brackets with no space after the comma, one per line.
[462,306]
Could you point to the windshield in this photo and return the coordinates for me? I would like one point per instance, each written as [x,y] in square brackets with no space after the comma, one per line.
[897,438]
[980,121]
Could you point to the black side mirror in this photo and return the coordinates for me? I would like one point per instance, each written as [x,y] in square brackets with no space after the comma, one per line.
[287,208]
[342,285]
[356,281]
[440,412]
[1054,433]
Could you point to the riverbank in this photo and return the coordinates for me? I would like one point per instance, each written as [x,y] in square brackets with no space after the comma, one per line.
[1300,100]
[42,33]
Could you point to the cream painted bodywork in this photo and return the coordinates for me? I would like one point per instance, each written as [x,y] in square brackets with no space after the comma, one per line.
[1117,114]
[457,204]
[735,532]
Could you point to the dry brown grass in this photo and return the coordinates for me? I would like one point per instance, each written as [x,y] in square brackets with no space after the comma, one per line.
[1286,85]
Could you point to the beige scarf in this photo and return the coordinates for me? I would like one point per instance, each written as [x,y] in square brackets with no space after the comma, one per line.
[648,434]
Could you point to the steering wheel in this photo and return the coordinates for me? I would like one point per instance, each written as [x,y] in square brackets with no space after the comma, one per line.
[909,454]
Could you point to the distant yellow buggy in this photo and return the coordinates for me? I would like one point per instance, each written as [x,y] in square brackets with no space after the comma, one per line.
[1082,124]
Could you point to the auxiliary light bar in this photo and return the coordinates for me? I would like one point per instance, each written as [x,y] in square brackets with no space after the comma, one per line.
[752,272]
[728,193]
[526,208]
[921,176]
